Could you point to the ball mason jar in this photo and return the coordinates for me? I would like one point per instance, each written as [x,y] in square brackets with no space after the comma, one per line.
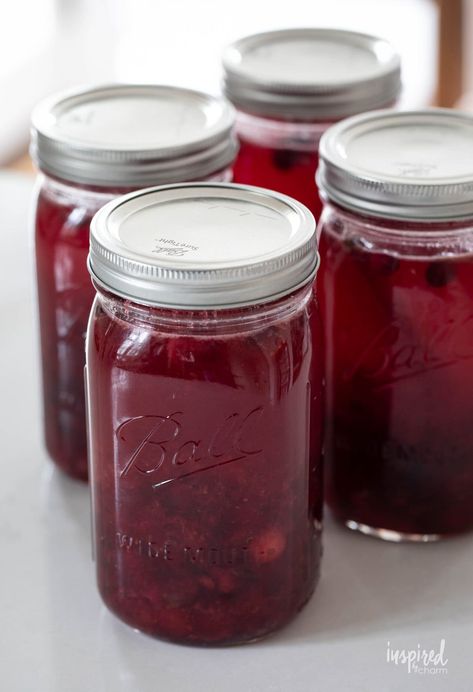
[204,379]
[91,146]
[288,86]
[396,293]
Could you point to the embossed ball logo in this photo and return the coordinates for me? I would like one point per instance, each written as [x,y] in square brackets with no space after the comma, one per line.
[159,447]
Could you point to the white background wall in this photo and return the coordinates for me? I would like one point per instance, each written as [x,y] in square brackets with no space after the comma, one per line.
[184,38]
[47,45]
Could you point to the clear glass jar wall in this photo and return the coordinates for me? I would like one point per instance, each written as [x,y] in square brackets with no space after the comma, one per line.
[207,496]
[280,156]
[65,296]
[399,341]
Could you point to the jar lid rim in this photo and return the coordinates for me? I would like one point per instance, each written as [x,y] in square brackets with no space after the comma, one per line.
[266,86]
[203,245]
[132,134]
[409,165]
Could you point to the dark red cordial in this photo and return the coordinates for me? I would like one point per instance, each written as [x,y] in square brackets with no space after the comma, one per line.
[288,171]
[65,295]
[399,340]
[207,483]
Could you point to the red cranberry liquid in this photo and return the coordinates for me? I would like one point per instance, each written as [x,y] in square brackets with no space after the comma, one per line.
[289,171]
[207,490]
[65,296]
[399,333]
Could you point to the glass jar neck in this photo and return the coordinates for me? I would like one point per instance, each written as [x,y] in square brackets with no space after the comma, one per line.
[401,237]
[93,197]
[210,322]
[69,194]
[297,135]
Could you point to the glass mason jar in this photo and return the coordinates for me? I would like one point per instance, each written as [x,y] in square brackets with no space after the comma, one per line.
[91,146]
[396,295]
[288,86]
[204,378]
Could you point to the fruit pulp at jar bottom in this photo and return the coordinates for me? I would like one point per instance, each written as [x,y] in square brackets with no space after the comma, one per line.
[207,497]
[65,295]
[288,171]
[399,340]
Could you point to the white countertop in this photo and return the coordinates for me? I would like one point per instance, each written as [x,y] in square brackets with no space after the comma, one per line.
[55,635]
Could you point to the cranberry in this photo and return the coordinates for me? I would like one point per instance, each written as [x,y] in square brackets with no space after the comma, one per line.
[288,171]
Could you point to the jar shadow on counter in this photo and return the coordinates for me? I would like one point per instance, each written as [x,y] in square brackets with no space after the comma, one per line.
[373,586]
[66,507]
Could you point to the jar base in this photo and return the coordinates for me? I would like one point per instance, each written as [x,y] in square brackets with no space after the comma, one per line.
[76,473]
[204,642]
[392,536]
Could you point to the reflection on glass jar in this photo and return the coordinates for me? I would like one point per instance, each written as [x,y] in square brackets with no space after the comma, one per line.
[205,412]
[89,154]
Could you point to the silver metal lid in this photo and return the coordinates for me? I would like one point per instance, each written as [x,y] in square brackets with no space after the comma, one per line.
[311,74]
[404,165]
[203,245]
[132,135]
